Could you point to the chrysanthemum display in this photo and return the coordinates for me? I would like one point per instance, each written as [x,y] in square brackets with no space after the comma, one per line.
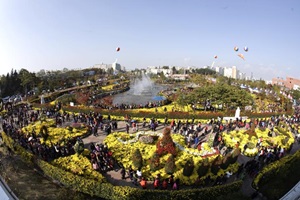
[123,144]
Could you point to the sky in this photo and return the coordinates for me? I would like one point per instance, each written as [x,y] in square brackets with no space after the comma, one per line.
[73,34]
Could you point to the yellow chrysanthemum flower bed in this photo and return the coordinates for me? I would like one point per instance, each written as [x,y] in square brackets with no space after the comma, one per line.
[123,145]
[108,87]
[55,134]
[282,140]
[79,165]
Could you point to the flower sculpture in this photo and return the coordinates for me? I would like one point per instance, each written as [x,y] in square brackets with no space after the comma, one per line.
[165,144]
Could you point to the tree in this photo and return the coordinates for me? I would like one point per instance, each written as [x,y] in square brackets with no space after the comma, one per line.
[296,94]
[174,71]
[28,80]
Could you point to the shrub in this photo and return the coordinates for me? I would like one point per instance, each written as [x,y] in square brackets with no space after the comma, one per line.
[285,140]
[154,162]
[79,146]
[44,132]
[234,155]
[251,132]
[203,168]
[250,145]
[170,165]
[226,161]
[215,167]
[188,167]
[137,159]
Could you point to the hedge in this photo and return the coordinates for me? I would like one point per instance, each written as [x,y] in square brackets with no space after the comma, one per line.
[136,113]
[285,170]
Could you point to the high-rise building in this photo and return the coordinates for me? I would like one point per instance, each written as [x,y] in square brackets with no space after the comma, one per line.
[234,72]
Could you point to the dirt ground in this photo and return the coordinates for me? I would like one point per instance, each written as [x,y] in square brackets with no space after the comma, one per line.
[28,183]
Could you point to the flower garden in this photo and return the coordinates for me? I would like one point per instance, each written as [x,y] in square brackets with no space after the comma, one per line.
[282,137]
[122,145]
[50,133]
[154,153]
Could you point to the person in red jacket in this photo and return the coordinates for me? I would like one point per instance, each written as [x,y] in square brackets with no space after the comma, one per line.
[143,183]
[165,184]
[156,182]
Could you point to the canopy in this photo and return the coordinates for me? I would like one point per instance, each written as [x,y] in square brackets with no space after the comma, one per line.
[159,98]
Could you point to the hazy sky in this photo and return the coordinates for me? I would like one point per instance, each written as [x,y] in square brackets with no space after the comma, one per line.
[57,34]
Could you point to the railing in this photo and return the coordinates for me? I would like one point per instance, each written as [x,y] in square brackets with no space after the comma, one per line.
[294,193]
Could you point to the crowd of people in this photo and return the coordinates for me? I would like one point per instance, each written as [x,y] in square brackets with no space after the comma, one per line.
[101,158]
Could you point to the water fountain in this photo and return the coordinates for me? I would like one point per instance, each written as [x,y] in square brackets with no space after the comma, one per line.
[141,91]
[143,86]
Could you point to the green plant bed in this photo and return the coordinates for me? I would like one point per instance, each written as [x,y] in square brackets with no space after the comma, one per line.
[276,179]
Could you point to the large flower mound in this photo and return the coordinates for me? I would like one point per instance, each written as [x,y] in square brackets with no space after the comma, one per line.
[55,134]
[123,145]
[79,165]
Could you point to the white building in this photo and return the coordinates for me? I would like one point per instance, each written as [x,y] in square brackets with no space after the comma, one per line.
[158,70]
[116,66]
[105,67]
[228,72]
[242,75]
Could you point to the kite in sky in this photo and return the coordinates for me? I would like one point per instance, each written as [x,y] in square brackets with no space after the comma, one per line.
[241,56]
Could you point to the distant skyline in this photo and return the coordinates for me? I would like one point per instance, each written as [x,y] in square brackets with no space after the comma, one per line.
[57,34]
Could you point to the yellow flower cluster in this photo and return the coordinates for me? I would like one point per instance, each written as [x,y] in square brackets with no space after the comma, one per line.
[56,134]
[79,165]
[108,87]
[242,137]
